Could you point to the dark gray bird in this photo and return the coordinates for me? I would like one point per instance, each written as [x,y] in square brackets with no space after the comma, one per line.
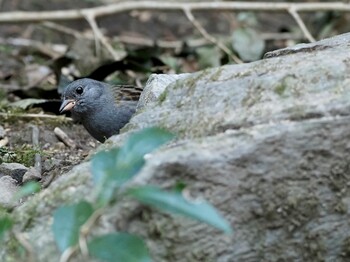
[102,109]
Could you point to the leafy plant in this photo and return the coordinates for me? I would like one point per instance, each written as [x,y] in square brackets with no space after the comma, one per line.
[23,155]
[5,225]
[27,189]
[111,170]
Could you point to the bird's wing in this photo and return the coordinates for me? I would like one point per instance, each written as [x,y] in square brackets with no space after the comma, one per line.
[126,92]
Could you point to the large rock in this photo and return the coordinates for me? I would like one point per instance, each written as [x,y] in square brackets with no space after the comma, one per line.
[266,142]
[8,190]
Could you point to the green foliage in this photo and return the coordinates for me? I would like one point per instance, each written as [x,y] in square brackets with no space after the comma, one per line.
[119,247]
[67,223]
[208,57]
[24,155]
[5,225]
[174,202]
[27,189]
[248,44]
[27,103]
[102,169]
[111,170]
[6,155]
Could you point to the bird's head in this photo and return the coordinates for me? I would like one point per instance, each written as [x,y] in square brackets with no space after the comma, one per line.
[82,96]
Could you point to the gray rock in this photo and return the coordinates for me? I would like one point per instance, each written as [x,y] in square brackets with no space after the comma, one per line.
[51,163]
[32,174]
[155,87]
[14,170]
[265,142]
[8,188]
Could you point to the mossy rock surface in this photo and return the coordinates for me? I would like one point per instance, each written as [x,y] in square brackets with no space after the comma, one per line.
[265,142]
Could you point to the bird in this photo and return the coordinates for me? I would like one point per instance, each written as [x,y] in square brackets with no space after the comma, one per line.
[103,109]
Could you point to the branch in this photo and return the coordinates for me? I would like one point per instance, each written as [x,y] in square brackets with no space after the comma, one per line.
[26,244]
[210,38]
[74,14]
[35,142]
[90,18]
[301,24]
[59,118]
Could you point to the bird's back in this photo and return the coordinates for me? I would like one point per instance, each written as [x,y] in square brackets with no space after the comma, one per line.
[126,93]
[126,98]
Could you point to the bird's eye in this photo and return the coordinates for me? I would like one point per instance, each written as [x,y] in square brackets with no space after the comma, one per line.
[79,90]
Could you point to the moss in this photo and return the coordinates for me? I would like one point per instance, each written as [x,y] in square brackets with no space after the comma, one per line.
[314,248]
[163,96]
[346,248]
[24,155]
[216,75]
[340,207]
[298,112]
[6,49]
[192,81]
[280,88]
[15,250]
[253,96]
[24,219]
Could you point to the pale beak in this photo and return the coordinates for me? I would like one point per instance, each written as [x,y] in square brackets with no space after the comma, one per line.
[67,105]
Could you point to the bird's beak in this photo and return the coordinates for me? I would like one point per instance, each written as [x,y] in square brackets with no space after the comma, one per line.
[67,105]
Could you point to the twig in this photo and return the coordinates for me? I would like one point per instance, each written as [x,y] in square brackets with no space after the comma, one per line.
[35,141]
[64,138]
[125,6]
[62,29]
[68,253]
[99,36]
[27,246]
[301,24]
[85,229]
[198,42]
[90,18]
[210,38]
[61,118]
[52,50]
[143,41]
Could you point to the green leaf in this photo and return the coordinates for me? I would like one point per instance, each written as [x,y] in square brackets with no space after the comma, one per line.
[67,223]
[103,169]
[247,19]
[27,189]
[28,102]
[141,143]
[103,165]
[119,247]
[5,225]
[174,202]
[131,155]
[248,44]
[208,57]
[113,168]
[170,61]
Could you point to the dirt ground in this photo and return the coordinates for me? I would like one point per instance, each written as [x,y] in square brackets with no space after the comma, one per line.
[56,157]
